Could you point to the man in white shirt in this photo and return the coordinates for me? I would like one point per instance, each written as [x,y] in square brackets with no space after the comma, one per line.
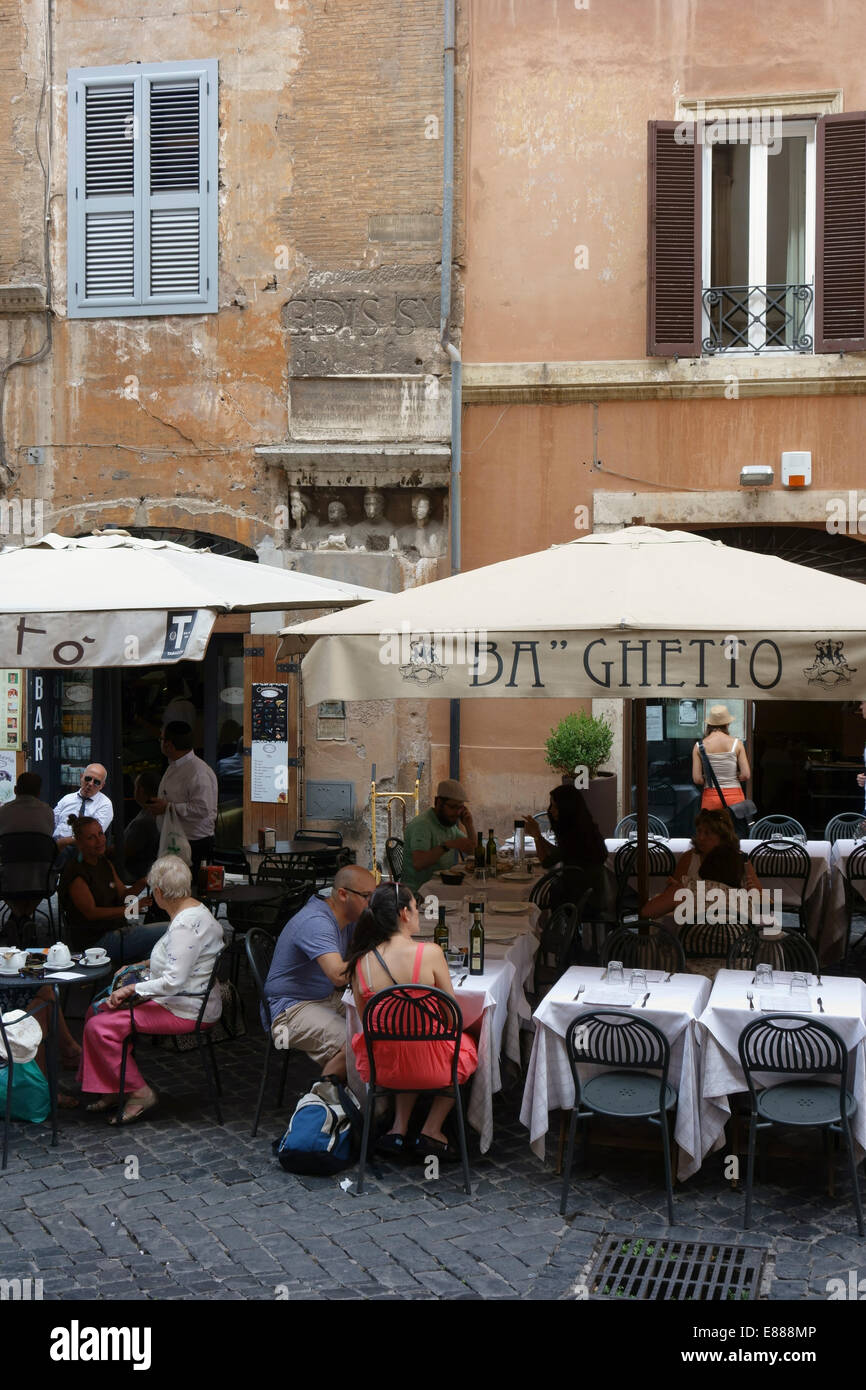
[190,786]
[89,800]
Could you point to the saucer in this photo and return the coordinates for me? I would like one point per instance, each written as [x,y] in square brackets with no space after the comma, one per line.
[59,964]
[102,960]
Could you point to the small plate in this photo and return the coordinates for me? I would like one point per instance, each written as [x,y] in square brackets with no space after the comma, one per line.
[103,960]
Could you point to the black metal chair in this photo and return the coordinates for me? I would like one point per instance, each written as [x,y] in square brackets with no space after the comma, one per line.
[8,1064]
[292,871]
[260,946]
[790,951]
[234,861]
[778,828]
[394,856]
[269,917]
[855,898]
[784,859]
[654,949]
[327,837]
[712,940]
[845,826]
[556,948]
[413,1014]
[626,829]
[661,867]
[633,1047]
[28,876]
[542,891]
[201,1033]
[805,1048]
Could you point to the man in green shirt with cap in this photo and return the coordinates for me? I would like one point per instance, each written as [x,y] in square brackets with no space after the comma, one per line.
[431,839]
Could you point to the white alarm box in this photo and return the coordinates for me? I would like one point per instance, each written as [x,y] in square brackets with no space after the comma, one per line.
[797,469]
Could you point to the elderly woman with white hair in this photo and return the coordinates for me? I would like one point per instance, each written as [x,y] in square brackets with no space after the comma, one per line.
[167,1002]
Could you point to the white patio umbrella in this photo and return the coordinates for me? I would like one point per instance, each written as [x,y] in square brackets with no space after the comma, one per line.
[628,614]
[120,600]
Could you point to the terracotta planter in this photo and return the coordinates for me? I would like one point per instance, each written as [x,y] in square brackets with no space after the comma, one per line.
[601,798]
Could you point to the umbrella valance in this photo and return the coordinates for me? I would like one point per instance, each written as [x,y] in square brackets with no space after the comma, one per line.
[633,614]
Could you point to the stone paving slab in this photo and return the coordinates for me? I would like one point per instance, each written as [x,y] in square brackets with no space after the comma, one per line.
[181,1208]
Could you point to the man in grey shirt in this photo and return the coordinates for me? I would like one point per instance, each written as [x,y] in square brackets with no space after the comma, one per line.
[26,813]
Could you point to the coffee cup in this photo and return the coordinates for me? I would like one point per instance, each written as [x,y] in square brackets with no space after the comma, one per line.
[59,954]
[95,955]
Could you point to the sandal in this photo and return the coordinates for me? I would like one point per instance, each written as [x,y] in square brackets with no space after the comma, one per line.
[130,1116]
[66,1102]
[105,1103]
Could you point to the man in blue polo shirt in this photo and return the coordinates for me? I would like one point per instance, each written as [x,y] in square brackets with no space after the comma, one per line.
[307,977]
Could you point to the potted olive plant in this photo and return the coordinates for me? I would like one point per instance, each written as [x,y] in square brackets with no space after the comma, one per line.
[576,748]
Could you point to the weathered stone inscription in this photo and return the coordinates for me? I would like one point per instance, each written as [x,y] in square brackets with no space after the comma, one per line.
[362,331]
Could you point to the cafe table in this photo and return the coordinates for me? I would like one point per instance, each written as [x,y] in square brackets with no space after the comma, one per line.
[54,977]
[492,1005]
[673,1006]
[503,887]
[727,1014]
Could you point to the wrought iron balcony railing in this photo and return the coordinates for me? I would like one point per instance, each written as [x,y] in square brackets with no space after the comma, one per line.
[757,318]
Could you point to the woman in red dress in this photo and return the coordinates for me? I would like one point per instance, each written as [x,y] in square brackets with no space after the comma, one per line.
[383,954]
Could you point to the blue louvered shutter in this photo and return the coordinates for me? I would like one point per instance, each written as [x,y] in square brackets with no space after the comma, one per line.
[142,190]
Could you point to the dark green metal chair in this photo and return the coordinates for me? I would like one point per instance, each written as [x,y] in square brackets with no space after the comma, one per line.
[782,1043]
[634,1047]
[790,951]
[654,949]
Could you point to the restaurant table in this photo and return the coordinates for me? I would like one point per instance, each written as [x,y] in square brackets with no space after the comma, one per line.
[816,895]
[316,848]
[673,1006]
[243,894]
[503,887]
[492,1005]
[727,1014]
[54,977]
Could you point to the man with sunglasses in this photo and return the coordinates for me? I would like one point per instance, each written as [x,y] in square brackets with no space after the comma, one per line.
[89,800]
[307,977]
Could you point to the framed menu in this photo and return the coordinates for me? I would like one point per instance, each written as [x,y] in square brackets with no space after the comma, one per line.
[269,774]
[11,709]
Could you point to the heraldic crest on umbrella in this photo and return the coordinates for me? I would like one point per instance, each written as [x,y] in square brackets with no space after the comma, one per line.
[829,667]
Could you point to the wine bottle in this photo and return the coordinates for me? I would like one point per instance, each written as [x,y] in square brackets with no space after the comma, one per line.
[440,933]
[492,855]
[480,857]
[476,944]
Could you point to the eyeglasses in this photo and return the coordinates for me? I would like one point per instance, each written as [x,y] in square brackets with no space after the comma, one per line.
[365,896]
[97,781]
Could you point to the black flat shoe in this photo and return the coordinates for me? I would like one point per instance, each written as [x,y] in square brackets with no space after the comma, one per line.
[392,1144]
[425,1147]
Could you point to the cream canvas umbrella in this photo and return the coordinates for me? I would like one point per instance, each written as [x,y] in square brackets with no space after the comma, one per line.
[120,600]
[632,614]
[629,614]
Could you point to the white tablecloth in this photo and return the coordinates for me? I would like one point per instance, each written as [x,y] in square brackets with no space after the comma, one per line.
[506,888]
[727,1014]
[492,1005]
[673,1007]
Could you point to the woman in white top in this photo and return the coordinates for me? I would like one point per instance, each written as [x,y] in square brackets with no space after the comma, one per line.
[180,968]
[727,758]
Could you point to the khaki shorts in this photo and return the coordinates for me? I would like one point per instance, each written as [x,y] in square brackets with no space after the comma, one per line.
[317,1027]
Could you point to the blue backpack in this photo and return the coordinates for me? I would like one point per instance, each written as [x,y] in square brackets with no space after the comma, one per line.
[322,1133]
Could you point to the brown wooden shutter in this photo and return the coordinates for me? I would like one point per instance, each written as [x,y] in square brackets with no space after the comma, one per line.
[840,242]
[674,242]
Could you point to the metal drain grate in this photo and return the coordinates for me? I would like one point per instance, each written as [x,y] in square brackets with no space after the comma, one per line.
[653,1267]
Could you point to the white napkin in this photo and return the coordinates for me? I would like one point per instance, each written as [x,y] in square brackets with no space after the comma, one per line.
[608,994]
[785,1004]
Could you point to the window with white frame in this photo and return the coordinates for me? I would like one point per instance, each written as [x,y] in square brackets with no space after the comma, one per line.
[142,190]
[758,241]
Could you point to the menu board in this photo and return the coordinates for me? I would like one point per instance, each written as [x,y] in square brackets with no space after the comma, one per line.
[7,774]
[269,774]
[11,709]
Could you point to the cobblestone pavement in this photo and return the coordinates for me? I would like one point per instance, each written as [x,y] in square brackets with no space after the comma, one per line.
[211,1214]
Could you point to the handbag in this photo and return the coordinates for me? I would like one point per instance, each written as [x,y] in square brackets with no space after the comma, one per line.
[171,837]
[742,813]
[126,975]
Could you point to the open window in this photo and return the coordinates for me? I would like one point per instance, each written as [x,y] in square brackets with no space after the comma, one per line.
[757,245]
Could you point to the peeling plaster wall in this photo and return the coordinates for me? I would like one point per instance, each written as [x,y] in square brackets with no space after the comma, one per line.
[329,187]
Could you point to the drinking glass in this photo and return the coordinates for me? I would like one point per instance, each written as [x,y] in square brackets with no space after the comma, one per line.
[637,983]
[764,976]
[614,972]
[800,985]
